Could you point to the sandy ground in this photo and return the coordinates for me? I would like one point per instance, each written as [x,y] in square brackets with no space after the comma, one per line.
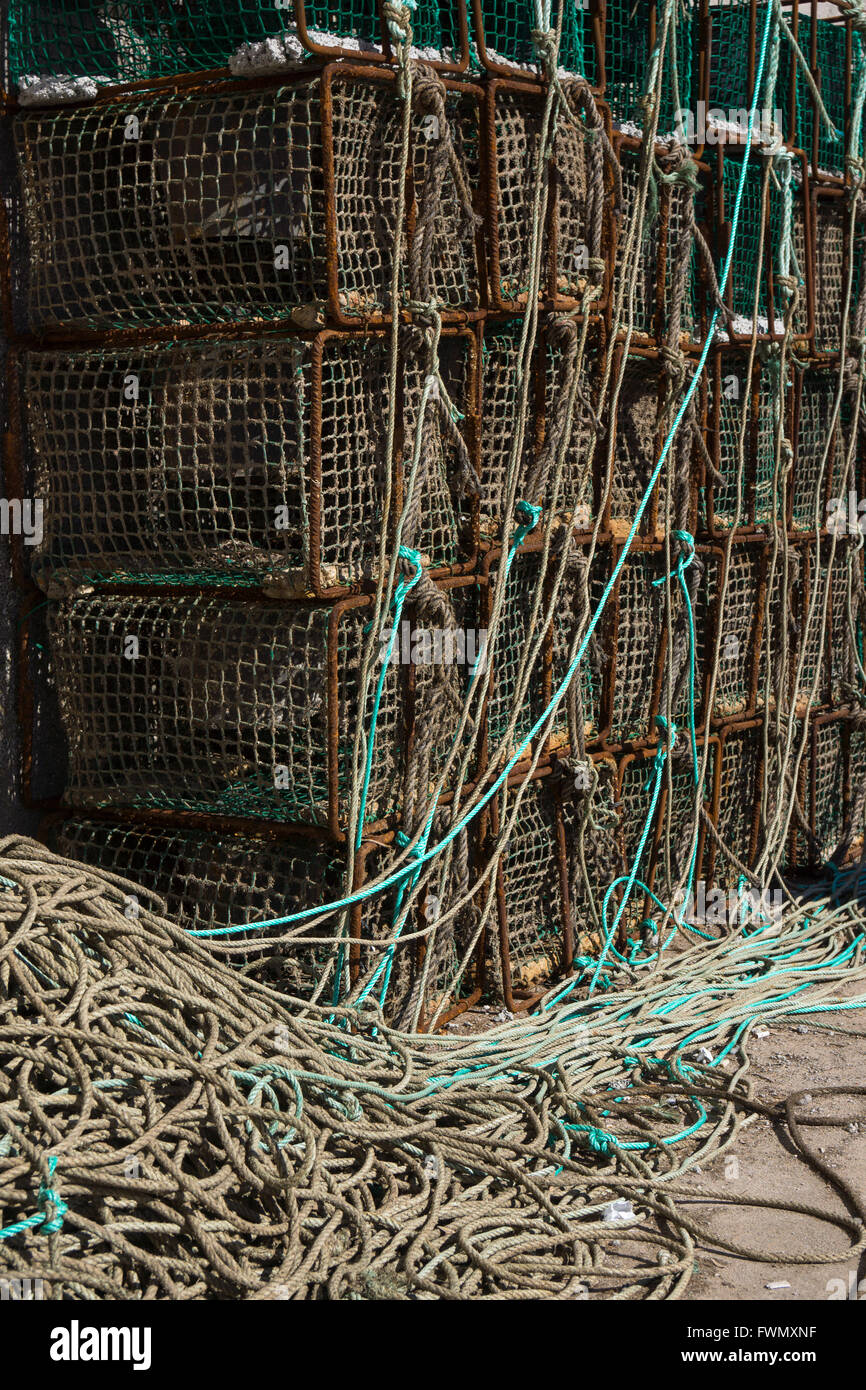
[764,1163]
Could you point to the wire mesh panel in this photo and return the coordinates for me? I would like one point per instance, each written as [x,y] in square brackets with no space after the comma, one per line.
[631,30]
[730,56]
[813,601]
[828,261]
[503,32]
[62,49]
[142,211]
[843,606]
[240,461]
[533,931]
[515,114]
[439,31]
[740,621]
[741,753]
[856,784]
[812,472]
[783,597]
[225,706]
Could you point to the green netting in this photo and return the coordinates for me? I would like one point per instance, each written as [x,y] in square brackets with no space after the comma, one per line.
[745,261]
[508,26]
[831,63]
[729,87]
[626,57]
[129,40]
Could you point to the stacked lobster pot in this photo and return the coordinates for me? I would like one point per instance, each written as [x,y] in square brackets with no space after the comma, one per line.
[345,343]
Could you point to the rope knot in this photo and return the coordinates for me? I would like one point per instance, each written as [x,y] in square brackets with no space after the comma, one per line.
[49,1202]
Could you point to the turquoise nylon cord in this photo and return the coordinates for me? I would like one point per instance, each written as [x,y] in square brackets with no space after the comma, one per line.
[400,875]
[45,1196]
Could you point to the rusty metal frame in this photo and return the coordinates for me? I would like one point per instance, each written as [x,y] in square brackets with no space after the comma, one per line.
[534,92]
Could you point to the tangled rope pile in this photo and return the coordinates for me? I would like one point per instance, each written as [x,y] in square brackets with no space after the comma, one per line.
[170,1131]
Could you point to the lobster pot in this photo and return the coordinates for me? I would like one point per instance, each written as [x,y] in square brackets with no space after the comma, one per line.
[842,627]
[812,599]
[142,212]
[630,31]
[519,687]
[130,40]
[741,760]
[516,119]
[212,878]
[591,835]
[781,602]
[643,682]
[637,442]
[748,493]
[502,30]
[755,264]
[814,455]
[534,932]
[579,714]
[253,461]
[830,219]
[835,57]
[225,706]
[570,433]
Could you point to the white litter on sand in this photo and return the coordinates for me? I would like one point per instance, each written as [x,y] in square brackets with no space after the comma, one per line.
[618,1212]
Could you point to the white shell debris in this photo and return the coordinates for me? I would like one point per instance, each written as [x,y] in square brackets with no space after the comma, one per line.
[778,1284]
[49,91]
